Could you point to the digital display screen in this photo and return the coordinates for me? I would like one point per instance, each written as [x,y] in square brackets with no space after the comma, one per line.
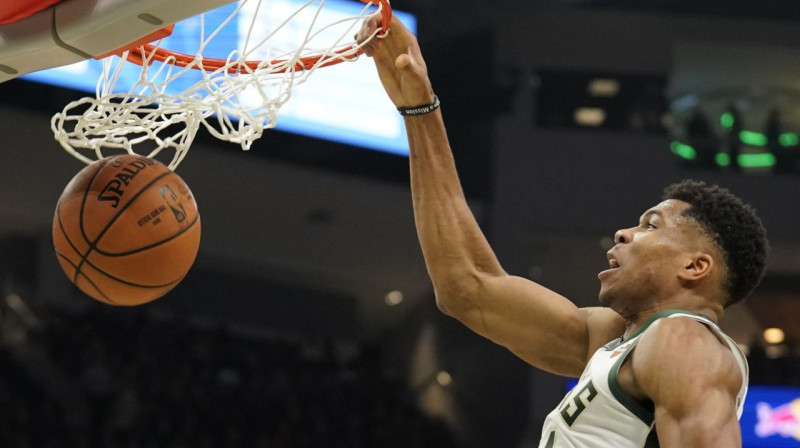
[771,417]
[344,103]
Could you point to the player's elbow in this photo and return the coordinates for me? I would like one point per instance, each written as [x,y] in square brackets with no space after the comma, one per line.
[442,301]
[448,298]
[457,294]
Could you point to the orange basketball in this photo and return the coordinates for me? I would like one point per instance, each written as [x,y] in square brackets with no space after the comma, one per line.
[126,230]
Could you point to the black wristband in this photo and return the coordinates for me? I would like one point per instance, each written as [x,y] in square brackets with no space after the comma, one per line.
[420,110]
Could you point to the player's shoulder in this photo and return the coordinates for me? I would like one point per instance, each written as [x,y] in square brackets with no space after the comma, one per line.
[683,334]
[679,359]
[603,325]
[681,330]
[682,344]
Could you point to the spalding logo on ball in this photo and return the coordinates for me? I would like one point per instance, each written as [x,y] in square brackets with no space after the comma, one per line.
[126,230]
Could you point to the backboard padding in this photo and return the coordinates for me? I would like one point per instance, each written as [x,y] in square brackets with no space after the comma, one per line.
[74,30]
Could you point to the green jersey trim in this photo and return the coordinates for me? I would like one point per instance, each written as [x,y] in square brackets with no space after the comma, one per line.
[659,315]
[652,439]
[631,404]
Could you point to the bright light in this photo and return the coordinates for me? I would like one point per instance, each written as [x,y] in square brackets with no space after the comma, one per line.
[590,116]
[444,378]
[683,150]
[727,120]
[603,87]
[774,335]
[753,138]
[764,160]
[789,139]
[394,298]
[722,159]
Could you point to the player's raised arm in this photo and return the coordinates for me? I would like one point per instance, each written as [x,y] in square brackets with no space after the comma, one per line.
[540,326]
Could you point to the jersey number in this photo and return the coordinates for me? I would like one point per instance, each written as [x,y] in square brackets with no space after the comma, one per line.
[572,408]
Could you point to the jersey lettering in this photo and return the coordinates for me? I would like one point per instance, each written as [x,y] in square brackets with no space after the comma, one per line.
[573,407]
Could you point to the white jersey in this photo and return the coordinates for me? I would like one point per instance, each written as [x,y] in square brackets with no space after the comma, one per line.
[597,413]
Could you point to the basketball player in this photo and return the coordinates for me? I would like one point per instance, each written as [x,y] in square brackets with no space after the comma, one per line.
[653,365]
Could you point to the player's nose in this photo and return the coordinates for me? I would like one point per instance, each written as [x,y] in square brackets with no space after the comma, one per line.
[623,236]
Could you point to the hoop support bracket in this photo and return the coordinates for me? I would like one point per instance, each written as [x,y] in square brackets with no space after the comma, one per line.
[152,37]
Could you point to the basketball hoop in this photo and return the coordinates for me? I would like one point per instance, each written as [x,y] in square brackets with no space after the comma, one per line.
[235,97]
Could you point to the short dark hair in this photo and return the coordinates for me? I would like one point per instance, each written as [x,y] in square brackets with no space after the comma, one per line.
[735,228]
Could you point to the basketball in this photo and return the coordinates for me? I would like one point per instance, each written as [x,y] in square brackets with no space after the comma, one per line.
[126,230]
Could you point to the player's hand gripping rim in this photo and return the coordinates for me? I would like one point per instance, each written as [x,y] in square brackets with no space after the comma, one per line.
[397,56]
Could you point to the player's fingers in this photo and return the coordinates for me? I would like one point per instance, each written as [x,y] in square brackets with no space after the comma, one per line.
[368,28]
[372,47]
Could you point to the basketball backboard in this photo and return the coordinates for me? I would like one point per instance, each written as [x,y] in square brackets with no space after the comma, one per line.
[40,34]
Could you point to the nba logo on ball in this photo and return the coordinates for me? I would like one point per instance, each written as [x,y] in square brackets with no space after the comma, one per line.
[126,230]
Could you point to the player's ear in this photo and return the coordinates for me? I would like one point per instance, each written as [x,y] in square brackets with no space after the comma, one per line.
[697,266]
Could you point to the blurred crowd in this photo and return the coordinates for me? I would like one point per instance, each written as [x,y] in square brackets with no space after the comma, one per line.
[111,377]
[119,378]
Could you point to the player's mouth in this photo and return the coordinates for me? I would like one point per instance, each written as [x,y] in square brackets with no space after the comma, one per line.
[613,266]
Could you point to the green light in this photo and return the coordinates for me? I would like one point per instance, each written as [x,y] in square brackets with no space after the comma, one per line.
[683,150]
[764,160]
[753,138]
[723,159]
[727,120]
[789,139]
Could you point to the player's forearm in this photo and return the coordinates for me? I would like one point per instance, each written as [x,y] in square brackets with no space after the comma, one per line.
[538,325]
[456,251]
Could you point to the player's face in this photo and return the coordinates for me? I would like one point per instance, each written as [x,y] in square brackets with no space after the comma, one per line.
[645,263]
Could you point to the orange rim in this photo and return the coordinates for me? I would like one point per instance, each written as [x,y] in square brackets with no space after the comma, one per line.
[154,53]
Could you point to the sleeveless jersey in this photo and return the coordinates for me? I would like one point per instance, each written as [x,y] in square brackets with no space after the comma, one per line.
[597,413]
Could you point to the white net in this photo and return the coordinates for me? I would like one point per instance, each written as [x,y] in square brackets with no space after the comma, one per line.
[235,100]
